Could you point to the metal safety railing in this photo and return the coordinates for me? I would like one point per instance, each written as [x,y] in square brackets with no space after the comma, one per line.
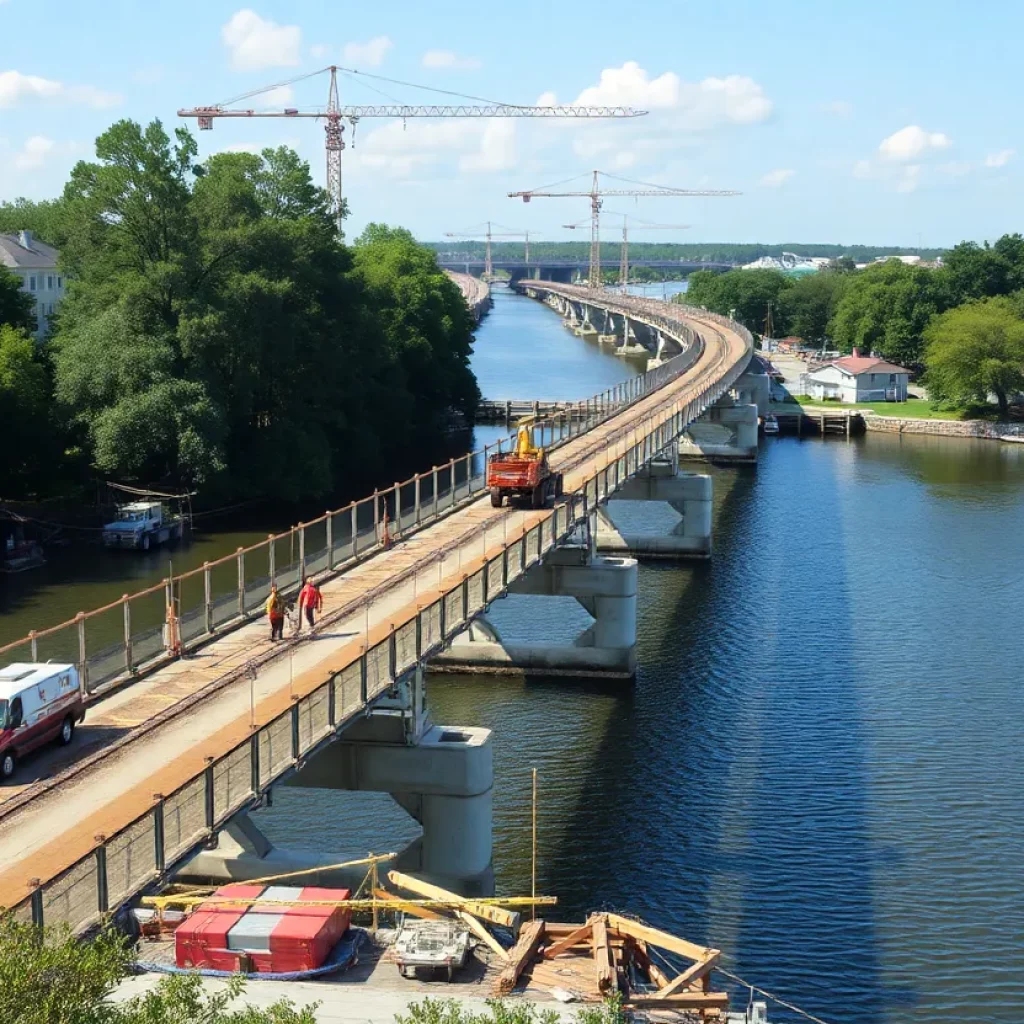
[113,644]
[143,851]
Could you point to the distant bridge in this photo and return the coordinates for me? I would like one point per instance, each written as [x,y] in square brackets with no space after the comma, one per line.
[562,270]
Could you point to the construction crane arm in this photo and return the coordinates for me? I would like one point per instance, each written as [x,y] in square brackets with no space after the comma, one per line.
[527,196]
[429,110]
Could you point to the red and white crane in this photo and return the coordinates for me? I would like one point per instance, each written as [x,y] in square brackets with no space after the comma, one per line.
[334,113]
[596,195]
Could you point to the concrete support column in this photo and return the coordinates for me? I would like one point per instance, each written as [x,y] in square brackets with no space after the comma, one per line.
[690,494]
[726,433]
[605,587]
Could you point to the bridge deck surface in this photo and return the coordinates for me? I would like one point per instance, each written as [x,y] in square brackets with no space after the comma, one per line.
[59,824]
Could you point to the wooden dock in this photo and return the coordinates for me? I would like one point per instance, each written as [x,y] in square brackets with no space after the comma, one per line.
[844,422]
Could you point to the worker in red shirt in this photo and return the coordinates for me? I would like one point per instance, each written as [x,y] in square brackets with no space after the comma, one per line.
[310,600]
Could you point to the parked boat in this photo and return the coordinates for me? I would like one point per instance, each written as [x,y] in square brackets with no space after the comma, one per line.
[771,424]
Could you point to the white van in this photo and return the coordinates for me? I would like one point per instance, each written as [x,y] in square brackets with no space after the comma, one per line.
[38,703]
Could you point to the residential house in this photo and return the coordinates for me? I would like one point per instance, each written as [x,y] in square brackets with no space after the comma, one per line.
[35,263]
[858,378]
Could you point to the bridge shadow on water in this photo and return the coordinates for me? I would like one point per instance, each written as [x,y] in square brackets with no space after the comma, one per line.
[725,797]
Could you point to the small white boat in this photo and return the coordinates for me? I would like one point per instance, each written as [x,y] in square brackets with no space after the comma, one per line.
[437,945]
[771,424]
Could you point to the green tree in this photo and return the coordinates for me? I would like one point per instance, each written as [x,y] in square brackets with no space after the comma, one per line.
[886,308]
[16,306]
[974,351]
[25,412]
[744,294]
[42,218]
[809,305]
[54,978]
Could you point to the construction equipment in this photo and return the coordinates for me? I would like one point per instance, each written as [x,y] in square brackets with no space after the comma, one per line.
[523,472]
[596,195]
[488,235]
[624,251]
[334,113]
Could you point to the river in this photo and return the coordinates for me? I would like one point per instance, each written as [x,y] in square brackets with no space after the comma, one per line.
[819,769]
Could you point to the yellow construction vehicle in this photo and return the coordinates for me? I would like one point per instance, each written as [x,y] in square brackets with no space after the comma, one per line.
[524,472]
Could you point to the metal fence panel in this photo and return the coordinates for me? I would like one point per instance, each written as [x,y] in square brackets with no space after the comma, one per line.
[314,723]
[131,860]
[347,691]
[275,740]
[232,782]
[431,629]
[378,677]
[184,817]
[405,646]
[476,591]
[73,897]
[495,581]
[453,616]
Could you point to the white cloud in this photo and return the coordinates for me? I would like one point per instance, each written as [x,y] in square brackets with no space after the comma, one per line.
[319,50]
[370,54]
[497,148]
[910,178]
[999,159]
[449,60]
[777,178]
[15,87]
[838,108]
[697,105]
[38,151]
[255,43]
[911,142]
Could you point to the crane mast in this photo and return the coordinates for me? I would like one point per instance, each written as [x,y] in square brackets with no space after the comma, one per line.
[596,195]
[488,236]
[334,113]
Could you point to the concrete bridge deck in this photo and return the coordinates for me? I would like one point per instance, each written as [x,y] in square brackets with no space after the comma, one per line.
[168,729]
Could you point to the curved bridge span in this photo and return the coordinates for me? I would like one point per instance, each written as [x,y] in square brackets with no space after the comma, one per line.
[193,742]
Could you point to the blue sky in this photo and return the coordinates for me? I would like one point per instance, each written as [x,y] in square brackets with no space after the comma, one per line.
[886,123]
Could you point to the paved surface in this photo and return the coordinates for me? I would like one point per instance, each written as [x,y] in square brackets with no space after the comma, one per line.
[57,827]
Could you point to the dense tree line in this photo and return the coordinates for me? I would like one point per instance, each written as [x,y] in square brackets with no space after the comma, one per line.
[962,324]
[216,332]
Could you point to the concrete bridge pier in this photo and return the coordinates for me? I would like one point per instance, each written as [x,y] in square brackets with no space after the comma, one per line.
[443,776]
[605,587]
[689,494]
[754,387]
[630,342]
[726,433]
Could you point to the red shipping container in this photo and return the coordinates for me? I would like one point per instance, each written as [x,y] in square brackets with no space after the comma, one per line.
[201,940]
[270,937]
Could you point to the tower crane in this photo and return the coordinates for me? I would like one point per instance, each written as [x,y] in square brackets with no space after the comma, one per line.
[624,252]
[488,235]
[334,113]
[596,195]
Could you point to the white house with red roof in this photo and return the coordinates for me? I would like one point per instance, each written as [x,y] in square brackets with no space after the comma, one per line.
[858,378]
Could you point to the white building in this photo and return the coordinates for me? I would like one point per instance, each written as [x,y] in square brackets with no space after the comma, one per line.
[35,263]
[858,378]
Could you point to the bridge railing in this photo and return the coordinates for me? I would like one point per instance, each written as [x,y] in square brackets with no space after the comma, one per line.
[144,851]
[114,644]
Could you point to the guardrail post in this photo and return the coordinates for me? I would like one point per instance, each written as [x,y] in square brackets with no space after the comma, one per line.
[392,655]
[34,644]
[329,527]
[363,674]
[159,856]
[376,516]
[83,664]
[37,903]
[241,581]
[419,634]
[442,617]
[302,550]
[129,661]
[451,479]
[271,558]
[416,510]
[207,597]
[102,888]
[465,599]
[433,473]
[208,794]
[254,762]
[332,704]
[295,729]
[355,529]
[504,568]
[397,517]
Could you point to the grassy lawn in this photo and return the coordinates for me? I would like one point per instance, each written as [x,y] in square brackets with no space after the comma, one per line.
[914,408]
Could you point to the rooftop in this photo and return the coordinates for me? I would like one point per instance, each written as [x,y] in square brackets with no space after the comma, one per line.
[22,250]
[865,364]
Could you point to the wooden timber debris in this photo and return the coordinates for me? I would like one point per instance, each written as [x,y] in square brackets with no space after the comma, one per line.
[605,971]
[496,915]
[530,937]
[414,911]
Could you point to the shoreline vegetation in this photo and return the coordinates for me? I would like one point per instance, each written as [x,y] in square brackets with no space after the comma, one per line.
[218,336]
